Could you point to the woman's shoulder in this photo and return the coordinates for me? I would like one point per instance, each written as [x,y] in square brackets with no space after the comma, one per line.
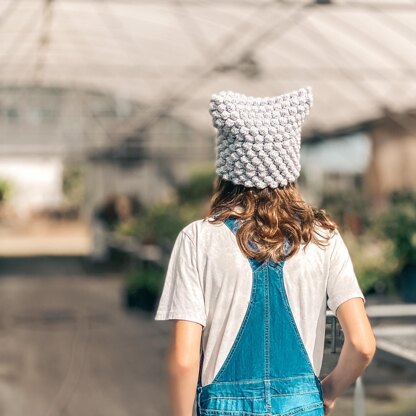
[200,227]
[331,238]
[320,230]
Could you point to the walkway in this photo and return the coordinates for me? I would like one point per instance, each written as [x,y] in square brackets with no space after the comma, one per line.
[67,346]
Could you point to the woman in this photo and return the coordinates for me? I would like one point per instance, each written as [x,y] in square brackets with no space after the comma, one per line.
[248,285]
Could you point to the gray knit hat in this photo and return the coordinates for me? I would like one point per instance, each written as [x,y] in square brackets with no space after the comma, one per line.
[258,141]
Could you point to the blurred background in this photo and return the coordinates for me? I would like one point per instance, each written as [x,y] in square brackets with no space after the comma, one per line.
[107,151]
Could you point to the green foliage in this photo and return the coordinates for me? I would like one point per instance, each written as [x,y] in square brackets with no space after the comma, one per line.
[161,223]
[73,185]
[143,287]
[380,246]
[128,228]
[398,225]
[387,246]
[374,262]
[5,190]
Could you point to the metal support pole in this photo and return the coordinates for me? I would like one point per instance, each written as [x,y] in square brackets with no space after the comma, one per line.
[359,398]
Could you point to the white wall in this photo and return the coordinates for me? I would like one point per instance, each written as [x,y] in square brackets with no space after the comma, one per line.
[36,182]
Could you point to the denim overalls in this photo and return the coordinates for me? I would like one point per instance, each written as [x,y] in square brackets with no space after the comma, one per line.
[267,371]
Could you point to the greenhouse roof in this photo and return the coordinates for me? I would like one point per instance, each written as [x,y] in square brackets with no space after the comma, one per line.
[359,57]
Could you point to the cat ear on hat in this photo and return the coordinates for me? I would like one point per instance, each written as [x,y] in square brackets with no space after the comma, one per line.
[306,101]
[217,108]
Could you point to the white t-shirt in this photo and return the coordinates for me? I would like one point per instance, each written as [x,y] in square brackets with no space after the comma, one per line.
[209,280]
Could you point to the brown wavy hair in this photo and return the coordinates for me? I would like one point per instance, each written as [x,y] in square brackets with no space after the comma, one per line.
[268,216]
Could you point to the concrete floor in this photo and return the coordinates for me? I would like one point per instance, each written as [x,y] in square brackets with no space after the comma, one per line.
[68,347]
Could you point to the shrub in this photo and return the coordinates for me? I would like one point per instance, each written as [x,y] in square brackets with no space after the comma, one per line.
[397,224]
[374,262]
[143,287]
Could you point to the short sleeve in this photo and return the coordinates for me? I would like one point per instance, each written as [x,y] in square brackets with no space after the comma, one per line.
[182,294]
[342,280]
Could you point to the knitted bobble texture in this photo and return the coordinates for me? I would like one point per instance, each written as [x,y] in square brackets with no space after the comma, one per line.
[258,141]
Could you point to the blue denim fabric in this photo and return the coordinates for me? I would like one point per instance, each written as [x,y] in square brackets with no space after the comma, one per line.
[267,371]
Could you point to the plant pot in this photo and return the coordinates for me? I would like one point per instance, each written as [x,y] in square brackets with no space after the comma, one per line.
[407,283]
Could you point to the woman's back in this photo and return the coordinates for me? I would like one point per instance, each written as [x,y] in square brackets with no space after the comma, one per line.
[210,281]
[213,281]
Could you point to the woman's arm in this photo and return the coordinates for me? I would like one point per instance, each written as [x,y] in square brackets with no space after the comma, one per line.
[357,351]
[183,366]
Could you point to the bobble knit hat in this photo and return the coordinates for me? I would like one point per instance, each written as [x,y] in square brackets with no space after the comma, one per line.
[258,141]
